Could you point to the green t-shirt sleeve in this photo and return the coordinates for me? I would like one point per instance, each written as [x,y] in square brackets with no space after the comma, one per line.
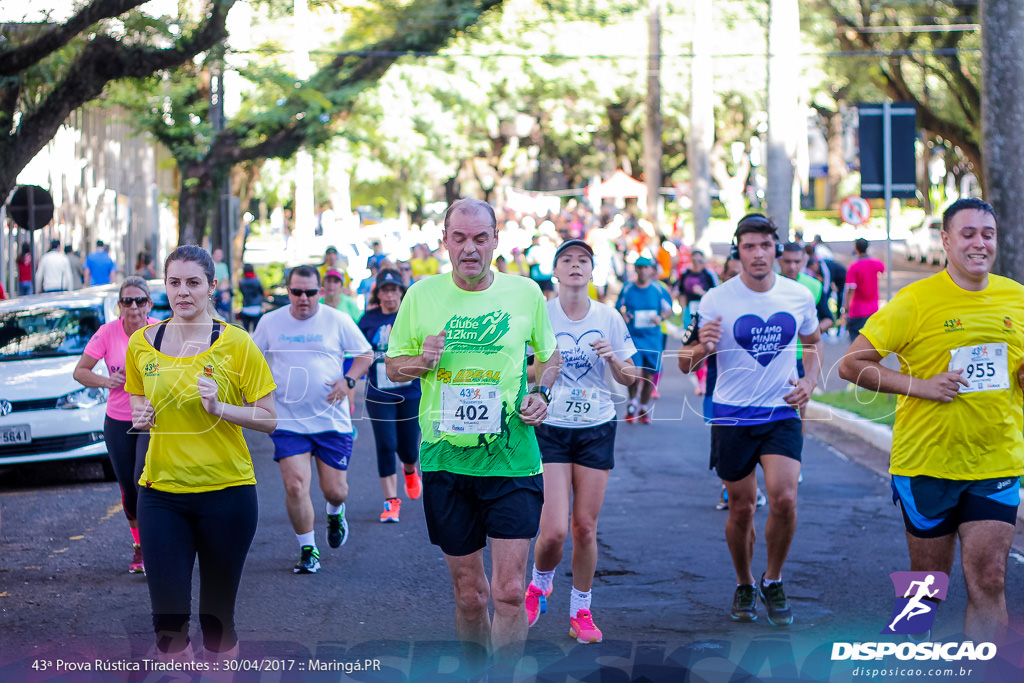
[404,340]
[543,339]
[893,325]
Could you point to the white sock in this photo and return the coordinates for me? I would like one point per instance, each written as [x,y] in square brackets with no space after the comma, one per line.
[543,580]
[645,407]
[308,538]
[634,402]
[578,600]
[768,582]
[335,509]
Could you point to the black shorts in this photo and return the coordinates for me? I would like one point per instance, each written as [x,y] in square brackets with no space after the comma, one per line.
[934,507]
[855,325]
[463,511]
[736,449]
[592,447]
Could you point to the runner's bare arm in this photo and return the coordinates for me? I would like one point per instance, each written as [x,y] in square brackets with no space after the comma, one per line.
[260,415]
[814,351]
[1020,375]
[407,368]
[624,371]
[862,366]
[693,354]
[534,408]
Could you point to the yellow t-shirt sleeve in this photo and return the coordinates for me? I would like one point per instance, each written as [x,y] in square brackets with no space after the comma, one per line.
[256,380]
[893,325]
[132,373]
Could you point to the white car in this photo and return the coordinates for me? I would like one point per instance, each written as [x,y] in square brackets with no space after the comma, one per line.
[925,242]
[45,414]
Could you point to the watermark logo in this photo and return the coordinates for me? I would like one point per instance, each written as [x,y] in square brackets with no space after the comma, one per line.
[917,597]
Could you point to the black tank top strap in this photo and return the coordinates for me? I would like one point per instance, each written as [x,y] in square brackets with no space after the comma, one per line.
[158,338]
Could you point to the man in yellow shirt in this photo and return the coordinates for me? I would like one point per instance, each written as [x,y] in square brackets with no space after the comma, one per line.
[958,449]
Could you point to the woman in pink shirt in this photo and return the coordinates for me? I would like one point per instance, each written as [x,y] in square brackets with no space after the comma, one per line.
[126,447]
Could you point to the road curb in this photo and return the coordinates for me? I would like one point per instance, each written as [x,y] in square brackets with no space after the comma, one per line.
[879,436]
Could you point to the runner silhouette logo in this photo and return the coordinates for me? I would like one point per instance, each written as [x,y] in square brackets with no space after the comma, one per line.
[917,596]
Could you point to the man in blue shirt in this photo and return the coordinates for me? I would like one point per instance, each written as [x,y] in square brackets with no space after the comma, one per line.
[99,267]
[644,304]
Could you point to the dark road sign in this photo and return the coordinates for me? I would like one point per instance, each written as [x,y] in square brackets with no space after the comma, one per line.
[903,132]
[31,207]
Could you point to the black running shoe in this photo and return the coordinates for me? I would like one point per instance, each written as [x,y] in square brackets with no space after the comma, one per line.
[744,603]
[309,561]
[774,599]
[337,529]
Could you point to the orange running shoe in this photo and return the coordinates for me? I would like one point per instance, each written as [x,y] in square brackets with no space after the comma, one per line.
[392,506]
[413,487]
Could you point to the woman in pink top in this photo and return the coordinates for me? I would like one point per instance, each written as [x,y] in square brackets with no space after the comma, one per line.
[125,446]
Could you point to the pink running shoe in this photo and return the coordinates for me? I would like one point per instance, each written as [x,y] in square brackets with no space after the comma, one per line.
[581,627]
[136,566]
[536,603]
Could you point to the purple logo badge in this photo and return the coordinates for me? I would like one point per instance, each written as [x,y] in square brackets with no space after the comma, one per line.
[917,596]
[763,339]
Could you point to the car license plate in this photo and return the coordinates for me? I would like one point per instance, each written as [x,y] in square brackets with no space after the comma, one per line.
[15,434]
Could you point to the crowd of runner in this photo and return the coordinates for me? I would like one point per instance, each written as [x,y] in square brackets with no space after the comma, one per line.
[488,364]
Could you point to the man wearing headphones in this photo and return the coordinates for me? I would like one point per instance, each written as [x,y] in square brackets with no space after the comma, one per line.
[749,327]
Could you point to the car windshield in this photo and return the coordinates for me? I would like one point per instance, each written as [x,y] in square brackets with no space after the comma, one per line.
[47,331]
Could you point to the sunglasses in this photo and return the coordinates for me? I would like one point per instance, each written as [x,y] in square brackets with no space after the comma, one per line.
[139,301]
[308,292]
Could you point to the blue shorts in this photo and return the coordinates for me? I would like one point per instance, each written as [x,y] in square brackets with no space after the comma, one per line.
[934,507]
[648,361]
[332,448]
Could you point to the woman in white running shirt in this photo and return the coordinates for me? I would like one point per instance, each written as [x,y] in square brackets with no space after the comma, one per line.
[577,440]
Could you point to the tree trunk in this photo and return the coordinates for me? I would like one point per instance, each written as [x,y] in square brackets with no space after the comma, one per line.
[195,204]
[1002,55]
[653,123]
[616,112]
[702,123]
[836,155]
[783,66]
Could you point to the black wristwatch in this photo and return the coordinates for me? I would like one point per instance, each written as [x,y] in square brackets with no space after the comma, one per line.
[351,382]
[543,391]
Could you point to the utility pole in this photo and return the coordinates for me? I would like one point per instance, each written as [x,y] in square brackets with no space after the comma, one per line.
[1002,109]
[783,67]
[303,218]
[702,122]
[652,129]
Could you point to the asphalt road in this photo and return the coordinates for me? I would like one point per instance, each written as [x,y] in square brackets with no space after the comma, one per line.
[661,596]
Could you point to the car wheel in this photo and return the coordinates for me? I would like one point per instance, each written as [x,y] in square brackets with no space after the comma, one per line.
[108,470]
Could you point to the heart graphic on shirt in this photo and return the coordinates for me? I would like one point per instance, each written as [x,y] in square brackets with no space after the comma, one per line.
[579,358]
[763,339]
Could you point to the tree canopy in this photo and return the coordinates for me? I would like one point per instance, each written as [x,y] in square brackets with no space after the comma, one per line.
[47,70]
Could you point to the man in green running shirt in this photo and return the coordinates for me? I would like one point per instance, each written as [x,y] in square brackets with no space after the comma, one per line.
[465,335]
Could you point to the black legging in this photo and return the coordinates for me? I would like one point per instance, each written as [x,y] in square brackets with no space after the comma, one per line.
[126,449]
[218,526]
[396,428]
